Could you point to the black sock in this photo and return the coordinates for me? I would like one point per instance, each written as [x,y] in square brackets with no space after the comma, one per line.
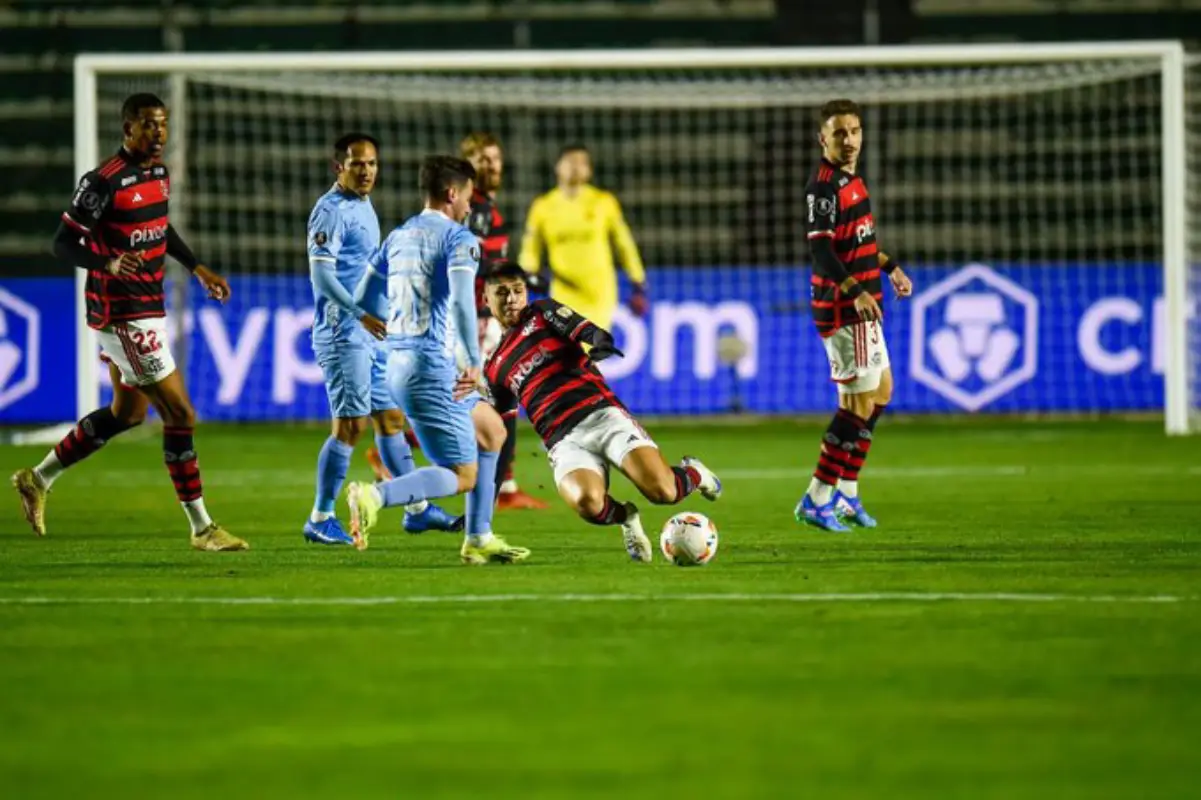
[613,513]
[687,479]
[88,436]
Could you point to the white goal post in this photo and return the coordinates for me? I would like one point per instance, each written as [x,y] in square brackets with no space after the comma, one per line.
[693,90]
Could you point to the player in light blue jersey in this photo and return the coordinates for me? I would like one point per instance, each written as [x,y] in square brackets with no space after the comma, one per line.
[423,279]
[343,234]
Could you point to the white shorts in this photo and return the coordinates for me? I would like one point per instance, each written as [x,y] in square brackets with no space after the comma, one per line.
[140,350]
[858,357]
[602,438]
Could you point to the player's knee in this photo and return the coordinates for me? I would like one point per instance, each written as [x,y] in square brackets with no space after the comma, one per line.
[590,503]
[177,412]
[349,429]
[129,415]
[860,405]
[466,473]
[389,423]
[490,433]
[883,396]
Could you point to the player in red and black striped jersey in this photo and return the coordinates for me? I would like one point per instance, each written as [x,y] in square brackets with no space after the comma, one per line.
[117,228]
[846,287]
[541,365]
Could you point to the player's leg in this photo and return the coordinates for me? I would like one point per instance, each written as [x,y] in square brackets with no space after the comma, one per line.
[444,430]
[849,370]
[171,400]
[627,445]
[509,494]
[346,368]
[480,545]
[127,410]
[868,407]
[395,453]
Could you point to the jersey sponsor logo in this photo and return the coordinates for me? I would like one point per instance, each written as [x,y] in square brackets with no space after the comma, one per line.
[978,335]
[529,328]
[20,340]
[152,233]
[128,180]
[865,229]
[525,369]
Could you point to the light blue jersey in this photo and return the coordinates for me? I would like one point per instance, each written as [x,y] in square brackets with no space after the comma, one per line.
[343,235]
[419,260]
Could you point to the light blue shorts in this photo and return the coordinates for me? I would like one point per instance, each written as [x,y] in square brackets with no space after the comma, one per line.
[355,372]
[424,386]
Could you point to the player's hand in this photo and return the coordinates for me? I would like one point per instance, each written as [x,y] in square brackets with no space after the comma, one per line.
[537,282]
[215,285]
[867,307]
[639,303]
[375,326]
[901,283]
[124,265]
[604,347]
[467,382]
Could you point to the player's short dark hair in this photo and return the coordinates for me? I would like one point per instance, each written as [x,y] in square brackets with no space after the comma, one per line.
[476,141]
[502,270]
[344,142]
[439,173]
[836,108]
[574,147]
[135,104]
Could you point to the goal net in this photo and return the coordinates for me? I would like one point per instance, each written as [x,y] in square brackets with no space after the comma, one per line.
[1035,196]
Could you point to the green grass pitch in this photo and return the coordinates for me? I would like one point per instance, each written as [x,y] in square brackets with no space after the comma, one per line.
[798,667]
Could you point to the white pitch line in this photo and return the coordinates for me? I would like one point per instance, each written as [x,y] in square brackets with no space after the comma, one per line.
[782,473]
[732,597]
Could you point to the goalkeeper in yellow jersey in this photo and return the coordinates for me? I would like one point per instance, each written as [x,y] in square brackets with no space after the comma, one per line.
[579,226]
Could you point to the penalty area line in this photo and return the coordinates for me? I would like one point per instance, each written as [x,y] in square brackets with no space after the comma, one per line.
[714,597]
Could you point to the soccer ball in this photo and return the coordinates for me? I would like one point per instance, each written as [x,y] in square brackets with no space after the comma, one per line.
[689,540]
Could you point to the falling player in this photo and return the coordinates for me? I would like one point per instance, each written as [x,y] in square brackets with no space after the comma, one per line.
[428,266]
[541,365]
[579,225]
[846,292]
[117,229]
[343,234]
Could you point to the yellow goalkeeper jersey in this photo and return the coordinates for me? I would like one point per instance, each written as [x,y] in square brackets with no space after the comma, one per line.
[579,235]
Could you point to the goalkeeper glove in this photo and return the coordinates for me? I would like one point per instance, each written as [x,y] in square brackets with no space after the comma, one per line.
[639,303]
[537,282]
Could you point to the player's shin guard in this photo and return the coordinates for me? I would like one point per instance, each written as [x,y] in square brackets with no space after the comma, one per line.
[504,466]
[397,457]
[612,513]
[481,499]
[849,482]
[89,435]
[687,479]
[179,454]
[839,442]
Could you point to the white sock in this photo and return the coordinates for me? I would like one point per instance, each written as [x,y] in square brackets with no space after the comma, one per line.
[49,470]
[820,492]
[479,539]
[320,516]
[849,488]
[197,515]
[418,507]
[508,487]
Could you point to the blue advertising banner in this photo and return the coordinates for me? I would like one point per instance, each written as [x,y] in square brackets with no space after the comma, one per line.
[976,337]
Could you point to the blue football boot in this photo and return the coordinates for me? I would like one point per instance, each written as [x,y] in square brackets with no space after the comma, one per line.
[329,531]
[821,517]
[434,518]
[851,510]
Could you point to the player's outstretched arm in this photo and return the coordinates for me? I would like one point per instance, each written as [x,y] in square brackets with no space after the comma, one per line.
[574,327]
[627,253]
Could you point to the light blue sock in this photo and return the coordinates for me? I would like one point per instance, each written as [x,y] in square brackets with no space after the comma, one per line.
[396,454]
[332,464]
[482,498]
[420,484]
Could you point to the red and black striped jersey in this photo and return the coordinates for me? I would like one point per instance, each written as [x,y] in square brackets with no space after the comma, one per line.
[118,207]
[839,208]
[540,365]
[493,230]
